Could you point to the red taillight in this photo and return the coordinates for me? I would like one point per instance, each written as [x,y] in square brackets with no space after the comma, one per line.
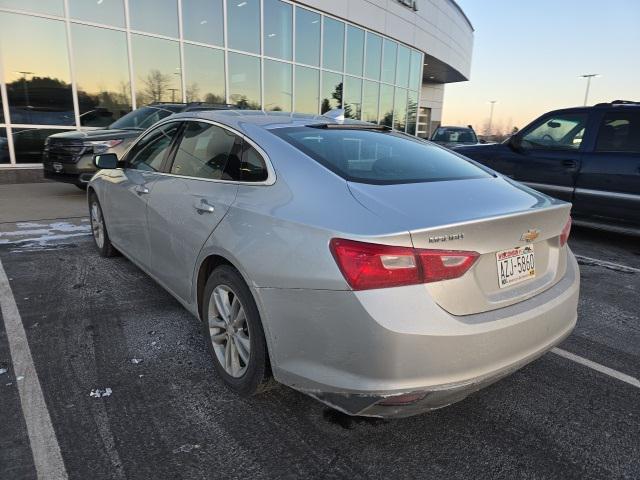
[445,264]
[370,265]
[564,236]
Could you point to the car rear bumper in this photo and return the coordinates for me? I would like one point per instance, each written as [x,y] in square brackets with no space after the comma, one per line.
[353,350]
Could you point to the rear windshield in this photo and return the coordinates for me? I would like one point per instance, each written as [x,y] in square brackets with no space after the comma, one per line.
[455,135]
[369,156]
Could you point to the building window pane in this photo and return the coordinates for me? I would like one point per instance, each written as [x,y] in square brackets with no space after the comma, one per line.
[28,143]
[416,70]
[244,81]
[156,64]
[389,56]
[412,113]
[370,95]
[331,94]
[278,26]
[386,105]
[278,90]
[400,110]
[404,60]
[4,147]
[307,37]
[355,50]
[204,74]
[107,12]
[202,21]
[50,7]
[36,72]
[307,90]
[352,97]
[104,94]
[154,16]
[374,56]
[333,44]
[243,25]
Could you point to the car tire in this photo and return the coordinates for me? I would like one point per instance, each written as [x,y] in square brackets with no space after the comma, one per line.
[99,228]
[244,370]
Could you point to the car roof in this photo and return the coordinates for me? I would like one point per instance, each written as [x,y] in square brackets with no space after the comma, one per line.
[616,104]
[238,119]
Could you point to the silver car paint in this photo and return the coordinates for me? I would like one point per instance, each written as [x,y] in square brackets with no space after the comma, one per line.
[322,337]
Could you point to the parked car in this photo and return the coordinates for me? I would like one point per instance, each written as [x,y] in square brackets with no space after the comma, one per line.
[68,156]
[453,136]
[589,156]
[376,272]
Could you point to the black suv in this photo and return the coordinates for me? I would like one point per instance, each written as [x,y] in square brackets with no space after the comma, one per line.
[589,156]
[68,156]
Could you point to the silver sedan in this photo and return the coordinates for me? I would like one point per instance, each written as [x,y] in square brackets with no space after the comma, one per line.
[376,272]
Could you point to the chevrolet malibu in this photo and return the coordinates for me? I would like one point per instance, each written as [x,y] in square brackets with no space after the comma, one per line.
[378,273]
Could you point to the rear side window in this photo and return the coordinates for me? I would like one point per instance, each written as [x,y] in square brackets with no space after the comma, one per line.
[254,168]
[368,156]
[619,132]
[207,151]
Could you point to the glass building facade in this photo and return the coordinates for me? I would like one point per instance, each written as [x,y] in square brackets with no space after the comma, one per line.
[79,64]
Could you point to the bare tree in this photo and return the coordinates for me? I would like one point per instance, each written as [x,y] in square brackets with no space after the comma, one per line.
[156,87]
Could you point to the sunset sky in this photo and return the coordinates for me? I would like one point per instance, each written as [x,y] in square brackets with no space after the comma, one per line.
[528,56]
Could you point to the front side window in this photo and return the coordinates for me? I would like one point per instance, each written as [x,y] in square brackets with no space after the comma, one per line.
[559,132]
[207,151]
[375,157]
[619,132]
[151,150]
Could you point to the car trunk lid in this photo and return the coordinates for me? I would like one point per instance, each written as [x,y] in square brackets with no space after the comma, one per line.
[487,216]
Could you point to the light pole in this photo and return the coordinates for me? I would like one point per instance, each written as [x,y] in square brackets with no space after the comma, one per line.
[588,76]
[493,103]
[24,85]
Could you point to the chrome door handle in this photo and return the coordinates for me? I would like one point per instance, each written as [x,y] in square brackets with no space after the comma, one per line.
[203,207]
[141,190]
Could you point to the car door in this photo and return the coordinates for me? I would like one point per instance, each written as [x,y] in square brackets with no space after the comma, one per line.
[608,186]
[189,201]
[547,153]
[130,188]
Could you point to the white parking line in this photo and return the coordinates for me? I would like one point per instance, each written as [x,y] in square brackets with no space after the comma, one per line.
[623,377]
[604,263]
[44,445]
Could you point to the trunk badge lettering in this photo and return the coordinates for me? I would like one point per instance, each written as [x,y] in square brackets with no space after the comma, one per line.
[446,238]
[530,235]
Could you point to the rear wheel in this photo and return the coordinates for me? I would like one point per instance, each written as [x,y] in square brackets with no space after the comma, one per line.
[99,228]
[234,333]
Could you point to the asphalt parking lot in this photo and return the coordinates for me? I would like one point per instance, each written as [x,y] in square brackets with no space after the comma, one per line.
[93,323]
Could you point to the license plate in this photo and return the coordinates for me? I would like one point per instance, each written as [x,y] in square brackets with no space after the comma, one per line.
[57,167]
[515,265]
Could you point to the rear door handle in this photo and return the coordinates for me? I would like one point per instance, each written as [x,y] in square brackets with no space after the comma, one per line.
[569,163]
[141,190]
[203,206]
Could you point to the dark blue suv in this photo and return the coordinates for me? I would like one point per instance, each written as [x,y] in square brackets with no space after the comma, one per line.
[589,156]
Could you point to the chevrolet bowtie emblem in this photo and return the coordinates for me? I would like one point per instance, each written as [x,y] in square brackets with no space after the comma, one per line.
[530,235]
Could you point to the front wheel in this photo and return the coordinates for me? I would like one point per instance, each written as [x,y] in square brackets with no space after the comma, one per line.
[99,228]
[234,333]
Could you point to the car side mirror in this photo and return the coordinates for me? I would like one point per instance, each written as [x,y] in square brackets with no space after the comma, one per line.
[515,142]
[105,161]
[482,140]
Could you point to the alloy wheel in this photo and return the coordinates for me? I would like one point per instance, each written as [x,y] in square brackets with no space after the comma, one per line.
[229,330]
[97,224]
